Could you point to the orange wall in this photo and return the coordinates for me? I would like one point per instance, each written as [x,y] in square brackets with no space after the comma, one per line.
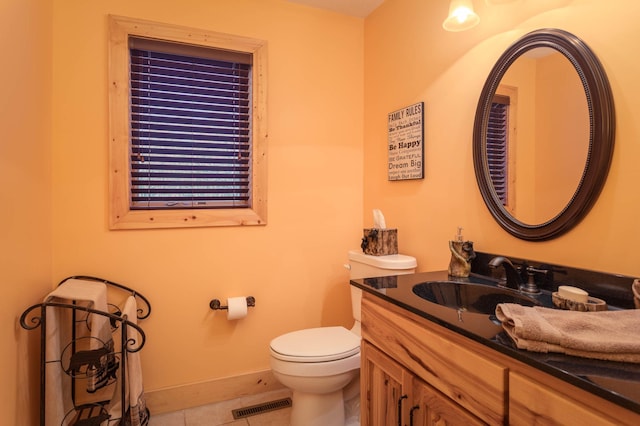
[25,173]
[294,265]
[409,58]
[328,91]
[551,139]
[562,135]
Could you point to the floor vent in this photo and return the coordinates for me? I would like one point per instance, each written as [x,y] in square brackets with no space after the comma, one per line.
[254,410]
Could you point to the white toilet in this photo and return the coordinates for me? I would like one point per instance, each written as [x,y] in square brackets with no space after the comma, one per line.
[321,365]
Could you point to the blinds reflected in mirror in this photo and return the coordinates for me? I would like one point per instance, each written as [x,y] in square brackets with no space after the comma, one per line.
[498,146]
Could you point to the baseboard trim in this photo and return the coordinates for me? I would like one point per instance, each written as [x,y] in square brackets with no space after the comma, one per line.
[195,394]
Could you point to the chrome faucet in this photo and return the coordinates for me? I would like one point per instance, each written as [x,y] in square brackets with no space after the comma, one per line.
[514,280]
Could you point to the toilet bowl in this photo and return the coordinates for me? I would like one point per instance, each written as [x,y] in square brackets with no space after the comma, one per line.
[322,365]
[316,364]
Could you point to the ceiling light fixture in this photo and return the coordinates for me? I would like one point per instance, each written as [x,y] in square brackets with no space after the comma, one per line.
[461,16]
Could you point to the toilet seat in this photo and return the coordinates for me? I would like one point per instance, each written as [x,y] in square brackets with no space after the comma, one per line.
[323,344]
[315,369]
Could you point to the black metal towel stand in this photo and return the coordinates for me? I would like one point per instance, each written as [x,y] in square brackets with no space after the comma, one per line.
[81,361]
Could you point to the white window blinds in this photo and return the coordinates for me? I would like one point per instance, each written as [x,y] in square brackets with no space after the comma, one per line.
[190,126]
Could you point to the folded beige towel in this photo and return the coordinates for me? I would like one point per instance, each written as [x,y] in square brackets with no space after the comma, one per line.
[608,335]
[635,288]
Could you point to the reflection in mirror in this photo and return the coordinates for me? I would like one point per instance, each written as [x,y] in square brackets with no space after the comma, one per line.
[541,152]
[543,135]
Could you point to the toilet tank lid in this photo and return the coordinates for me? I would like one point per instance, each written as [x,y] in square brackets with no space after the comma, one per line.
[390,261]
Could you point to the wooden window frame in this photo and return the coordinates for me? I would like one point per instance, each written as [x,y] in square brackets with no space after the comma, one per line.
[121,216]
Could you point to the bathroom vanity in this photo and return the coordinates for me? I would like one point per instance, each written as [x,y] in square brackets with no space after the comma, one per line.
[425,363]
[433,351]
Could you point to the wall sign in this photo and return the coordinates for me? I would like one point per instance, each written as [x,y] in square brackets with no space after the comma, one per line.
[406,142]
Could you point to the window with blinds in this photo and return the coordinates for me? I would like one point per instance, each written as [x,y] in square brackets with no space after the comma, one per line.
[187,127]
[498,145]
[190,126]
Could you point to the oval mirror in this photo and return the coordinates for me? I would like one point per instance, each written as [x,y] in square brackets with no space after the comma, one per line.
[543,134]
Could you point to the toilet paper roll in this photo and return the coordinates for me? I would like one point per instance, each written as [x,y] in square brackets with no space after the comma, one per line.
[237,308]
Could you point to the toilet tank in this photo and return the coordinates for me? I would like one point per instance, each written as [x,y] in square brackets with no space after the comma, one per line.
[366,266]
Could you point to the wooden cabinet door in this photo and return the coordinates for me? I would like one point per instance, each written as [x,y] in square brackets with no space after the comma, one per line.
[384,387]
[391,396]
[460,369]
[429,407]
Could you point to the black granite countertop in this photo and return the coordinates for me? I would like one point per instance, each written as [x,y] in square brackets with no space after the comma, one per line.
[617,382]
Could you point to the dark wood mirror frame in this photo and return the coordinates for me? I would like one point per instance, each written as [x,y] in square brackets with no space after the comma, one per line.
[601,134]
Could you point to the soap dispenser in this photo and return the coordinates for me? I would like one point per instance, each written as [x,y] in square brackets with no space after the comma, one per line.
[461,256]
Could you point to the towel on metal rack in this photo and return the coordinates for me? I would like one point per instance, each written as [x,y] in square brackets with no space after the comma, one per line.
[136,409]
[607,335]
[92,356]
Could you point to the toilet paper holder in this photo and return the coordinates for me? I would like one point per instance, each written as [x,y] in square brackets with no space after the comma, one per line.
[215,303]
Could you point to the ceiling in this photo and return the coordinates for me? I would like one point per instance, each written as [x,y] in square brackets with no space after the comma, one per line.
[359,8]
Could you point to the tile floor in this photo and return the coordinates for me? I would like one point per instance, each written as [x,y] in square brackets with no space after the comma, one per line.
[220,413]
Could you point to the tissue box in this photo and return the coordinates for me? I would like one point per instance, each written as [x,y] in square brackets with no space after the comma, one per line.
[380,242]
